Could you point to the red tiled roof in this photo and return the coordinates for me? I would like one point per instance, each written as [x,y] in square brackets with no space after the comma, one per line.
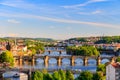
[116,65]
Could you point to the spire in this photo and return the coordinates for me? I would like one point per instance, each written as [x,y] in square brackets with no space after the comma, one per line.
[8,46]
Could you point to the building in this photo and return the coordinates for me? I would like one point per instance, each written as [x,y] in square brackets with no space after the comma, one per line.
[113,71]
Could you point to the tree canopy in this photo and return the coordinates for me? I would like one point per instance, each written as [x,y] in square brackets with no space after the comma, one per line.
[35,46]
[85,75]
[57,75]
[99,76]
[109,39]
[83,50]
[102,68]
[7,56]
[118,59]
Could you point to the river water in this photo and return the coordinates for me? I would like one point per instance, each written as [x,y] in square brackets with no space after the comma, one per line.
[39,63]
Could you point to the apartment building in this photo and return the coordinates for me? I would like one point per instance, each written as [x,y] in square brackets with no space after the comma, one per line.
[113,71]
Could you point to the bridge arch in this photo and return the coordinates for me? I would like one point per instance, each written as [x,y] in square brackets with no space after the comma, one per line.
[65,60]
[40,60]
[52,61]
[79,61]
[103,61]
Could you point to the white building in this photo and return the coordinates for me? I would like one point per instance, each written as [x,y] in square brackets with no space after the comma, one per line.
[113,71]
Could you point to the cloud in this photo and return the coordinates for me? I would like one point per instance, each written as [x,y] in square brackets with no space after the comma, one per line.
[91,13]
[67,21]
[97,24]
[13,21]
[97,12]
[19,4]
[76,6]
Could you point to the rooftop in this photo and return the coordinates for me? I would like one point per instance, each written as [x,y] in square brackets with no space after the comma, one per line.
[116,65]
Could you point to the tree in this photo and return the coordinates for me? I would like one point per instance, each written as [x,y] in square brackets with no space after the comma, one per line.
[98,76]
[35,46]
[56,76]
[102,68]
[81,39]
[85,75]
[37,75]
[33,51]
[69,75]
[47,77]
[118,59]
[83,50]
[7,57]
[44,71]
[62,74]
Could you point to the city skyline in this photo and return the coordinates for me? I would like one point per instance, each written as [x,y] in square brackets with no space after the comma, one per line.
[59,19]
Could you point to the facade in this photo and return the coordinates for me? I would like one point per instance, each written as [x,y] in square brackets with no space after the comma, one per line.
[113,71]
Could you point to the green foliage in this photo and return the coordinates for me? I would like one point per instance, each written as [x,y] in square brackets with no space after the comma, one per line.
[81,39]
[69,75]
[57,75]
[109,39]
[47,77]
[37,76]
[6,40]
[35,46]
[83,50]
[99,76]
[118,59]
[102,68]
[62,74]
[7,57]
[44,71]
[85,75]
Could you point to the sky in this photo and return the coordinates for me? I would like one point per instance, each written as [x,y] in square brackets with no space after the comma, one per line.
[59,19]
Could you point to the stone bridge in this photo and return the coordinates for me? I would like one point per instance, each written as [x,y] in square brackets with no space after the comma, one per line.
[60,58]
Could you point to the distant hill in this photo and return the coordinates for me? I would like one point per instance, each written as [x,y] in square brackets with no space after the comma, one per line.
[44,39]
[41,39]
[98,39]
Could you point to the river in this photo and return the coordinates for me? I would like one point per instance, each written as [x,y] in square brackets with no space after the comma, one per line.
[39,63]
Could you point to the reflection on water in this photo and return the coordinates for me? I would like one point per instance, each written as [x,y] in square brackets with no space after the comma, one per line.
[64,65]
[91,62]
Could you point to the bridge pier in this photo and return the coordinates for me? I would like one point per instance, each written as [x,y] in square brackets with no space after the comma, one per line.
[72,61]
[46,58]
[98,60]
[85,61]
[33,60]
[49,52]
[20,61]
[59,61]
[60,52]
[16,62]
[113,60]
